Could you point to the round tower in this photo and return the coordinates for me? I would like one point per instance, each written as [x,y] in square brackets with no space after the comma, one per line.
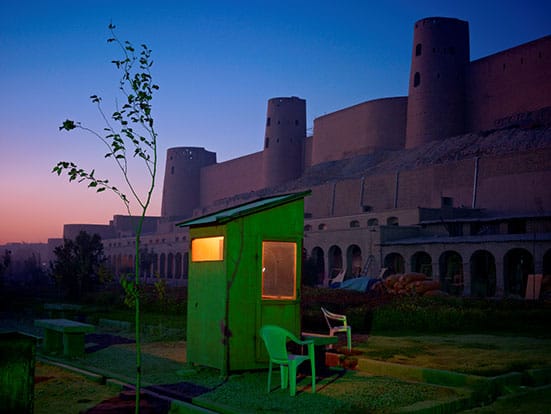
[283,155]
[182,183]
[436,101]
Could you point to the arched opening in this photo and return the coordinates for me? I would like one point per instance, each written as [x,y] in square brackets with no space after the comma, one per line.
[154,265]
[170,266]
[354,223]
[185,264]
[418,49]
[318,264]
[372,222]
[354,260]
[395,263]
[178,265]
[392,221]
[483,274]
[517,265]
[421,262]
[118,264]
[335,261]
[162,266]
[451,272]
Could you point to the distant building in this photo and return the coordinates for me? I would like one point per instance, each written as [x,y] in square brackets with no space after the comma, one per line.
[452,180]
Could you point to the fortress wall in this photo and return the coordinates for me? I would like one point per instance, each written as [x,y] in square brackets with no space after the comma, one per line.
[516,183]
[228,178]
[455,180]
[379,191]
[347,197]
[414,188]
[360,129]
[319,204]
[511,82]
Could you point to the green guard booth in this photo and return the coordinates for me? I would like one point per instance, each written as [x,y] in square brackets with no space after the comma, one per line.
[17,362]
[244,272]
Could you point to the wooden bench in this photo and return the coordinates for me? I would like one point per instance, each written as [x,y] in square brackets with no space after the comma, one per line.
[63,335]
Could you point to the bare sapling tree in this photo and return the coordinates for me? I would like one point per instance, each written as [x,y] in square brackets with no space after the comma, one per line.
[129,133]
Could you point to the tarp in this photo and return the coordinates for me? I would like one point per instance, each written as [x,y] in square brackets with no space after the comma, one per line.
[361,284]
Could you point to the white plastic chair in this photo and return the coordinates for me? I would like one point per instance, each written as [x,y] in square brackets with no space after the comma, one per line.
[335,328]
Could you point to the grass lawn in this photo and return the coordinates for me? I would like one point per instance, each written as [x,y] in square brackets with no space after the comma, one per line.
[59,391]
[347,392]
[485,355]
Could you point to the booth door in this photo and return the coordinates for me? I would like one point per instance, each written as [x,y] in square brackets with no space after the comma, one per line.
[279,303]
[206,305]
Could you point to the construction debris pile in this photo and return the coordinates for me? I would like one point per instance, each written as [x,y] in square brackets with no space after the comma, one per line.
[412,284]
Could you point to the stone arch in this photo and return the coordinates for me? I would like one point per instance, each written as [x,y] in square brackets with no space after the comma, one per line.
[421,262]
[353,260]
[483,274]
[517,265]
[185,264]
[318,264]
[162,265]
[170,266]
[395,263]
[336,263]
[178,265]
[154,264]
[451,272]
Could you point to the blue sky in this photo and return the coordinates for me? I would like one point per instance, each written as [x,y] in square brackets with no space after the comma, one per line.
[217,64]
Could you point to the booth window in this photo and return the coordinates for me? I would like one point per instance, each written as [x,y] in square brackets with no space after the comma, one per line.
[279,261]
[207,249]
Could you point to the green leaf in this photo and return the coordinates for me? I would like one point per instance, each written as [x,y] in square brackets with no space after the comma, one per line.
[68,125]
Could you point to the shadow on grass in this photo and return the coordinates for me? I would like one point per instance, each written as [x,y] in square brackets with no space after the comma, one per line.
[97,342]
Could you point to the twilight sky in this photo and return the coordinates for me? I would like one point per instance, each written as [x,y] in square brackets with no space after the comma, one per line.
[217,63]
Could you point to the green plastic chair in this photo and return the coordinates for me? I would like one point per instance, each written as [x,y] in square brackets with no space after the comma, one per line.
[276,338]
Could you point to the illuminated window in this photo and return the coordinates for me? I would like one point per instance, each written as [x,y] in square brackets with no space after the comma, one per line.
[279,270]
[207,249]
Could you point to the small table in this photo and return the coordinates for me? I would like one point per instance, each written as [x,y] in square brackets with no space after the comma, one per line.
[64,335]
[320,342]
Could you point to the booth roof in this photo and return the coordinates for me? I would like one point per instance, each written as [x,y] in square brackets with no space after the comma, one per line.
[252,207]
